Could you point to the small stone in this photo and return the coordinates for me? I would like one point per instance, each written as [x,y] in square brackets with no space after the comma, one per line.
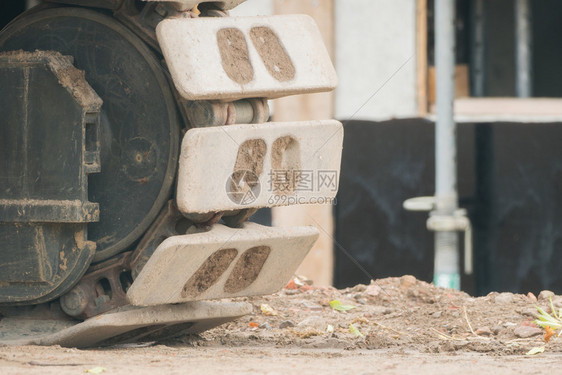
[436,314]
[483,331]
[312,306]
[530,312]
[380,310]
[526,331]
[265,325]
[362,301]
[291,292]
[306,288]
[407,281]
[413,293]
[316,322]
[286,324]
[460,344]
[303,280]
[504,298]
[448,346]
[359,288]
[546,294]
[532,297]
[497,329]
[291,284]
[373,290]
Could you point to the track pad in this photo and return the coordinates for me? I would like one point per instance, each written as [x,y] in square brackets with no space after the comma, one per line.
[222,263]
[234,167]
[245,57]
[126,324]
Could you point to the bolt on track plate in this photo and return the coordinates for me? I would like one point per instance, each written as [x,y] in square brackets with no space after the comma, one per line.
[222,263]
[124,325]
[259,165]
[229,58]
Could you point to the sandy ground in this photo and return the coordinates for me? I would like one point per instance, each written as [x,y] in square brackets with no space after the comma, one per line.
[396,326]
[252,360]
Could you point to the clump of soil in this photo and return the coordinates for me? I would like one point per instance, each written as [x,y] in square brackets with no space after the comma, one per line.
[209,272]
[275,58]
[401,313]
[247,269]
[234,54]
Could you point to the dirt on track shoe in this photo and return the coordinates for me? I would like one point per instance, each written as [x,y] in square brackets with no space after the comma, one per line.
[128,324]
[222,263]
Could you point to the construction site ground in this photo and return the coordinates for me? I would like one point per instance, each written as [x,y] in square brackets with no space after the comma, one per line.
[394,326]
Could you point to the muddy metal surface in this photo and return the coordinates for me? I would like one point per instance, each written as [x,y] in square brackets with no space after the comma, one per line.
[400,325]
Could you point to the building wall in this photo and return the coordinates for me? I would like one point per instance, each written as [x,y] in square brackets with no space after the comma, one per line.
[375,56]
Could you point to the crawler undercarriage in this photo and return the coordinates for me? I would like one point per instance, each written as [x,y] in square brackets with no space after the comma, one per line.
[135,147]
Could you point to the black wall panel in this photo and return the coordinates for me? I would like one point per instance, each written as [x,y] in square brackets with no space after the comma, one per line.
[510,180]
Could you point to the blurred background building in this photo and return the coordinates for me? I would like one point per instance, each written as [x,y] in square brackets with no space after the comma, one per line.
[508,139]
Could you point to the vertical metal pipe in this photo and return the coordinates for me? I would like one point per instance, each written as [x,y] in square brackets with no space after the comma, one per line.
[445,156]
[478,55]
[446,268]
[523,49]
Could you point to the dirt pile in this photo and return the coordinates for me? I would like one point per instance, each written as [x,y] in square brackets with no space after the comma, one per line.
[394,313]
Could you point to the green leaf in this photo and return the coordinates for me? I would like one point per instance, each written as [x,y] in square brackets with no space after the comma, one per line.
[553,309]
[536,350]
[336,305]
[355,331]
[95,370]
[545,319]
[552,325]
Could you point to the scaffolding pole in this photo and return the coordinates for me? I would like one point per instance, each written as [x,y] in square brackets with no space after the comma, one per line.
[523,49]
[446,267]
[446,219]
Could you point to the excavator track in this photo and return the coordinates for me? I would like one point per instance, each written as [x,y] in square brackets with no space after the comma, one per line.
[139,146]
